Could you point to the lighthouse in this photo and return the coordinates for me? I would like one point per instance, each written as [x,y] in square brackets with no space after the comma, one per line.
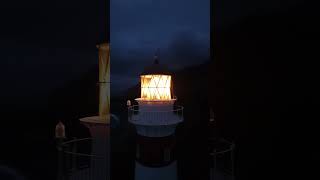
[99,125]
[155,117]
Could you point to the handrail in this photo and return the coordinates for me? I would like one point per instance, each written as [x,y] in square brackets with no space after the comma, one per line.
[86,155]
[65,144]
[229,143]
[179,108]
[75,140]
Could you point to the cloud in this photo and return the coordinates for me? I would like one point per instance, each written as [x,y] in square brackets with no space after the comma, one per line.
[157,19]
[184,50]
[180,29]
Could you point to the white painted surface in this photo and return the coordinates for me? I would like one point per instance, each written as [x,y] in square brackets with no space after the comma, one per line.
[156,118]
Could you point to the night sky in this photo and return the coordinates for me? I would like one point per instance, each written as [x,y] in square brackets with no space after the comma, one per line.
[45,44]
[228,12]
[179,30]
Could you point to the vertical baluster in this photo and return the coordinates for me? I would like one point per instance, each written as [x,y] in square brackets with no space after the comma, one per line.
[74,156]
[232,162]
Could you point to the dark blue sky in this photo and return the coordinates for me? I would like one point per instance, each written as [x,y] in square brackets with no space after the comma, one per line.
[180,29]
[46,44]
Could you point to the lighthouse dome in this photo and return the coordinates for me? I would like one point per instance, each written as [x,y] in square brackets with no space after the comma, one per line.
[156,68]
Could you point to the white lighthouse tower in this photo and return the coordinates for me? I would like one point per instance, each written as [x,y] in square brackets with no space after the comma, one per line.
[155,118]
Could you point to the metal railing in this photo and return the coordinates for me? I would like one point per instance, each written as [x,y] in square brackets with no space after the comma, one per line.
[221,152]
[77,162]
[145,117]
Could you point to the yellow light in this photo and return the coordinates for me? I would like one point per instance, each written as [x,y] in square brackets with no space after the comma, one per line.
[156,87]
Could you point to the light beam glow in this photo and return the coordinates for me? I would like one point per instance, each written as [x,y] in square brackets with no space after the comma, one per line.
[156,87]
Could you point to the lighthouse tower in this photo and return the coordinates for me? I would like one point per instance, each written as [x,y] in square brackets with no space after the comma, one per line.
[155,118]
[99,126]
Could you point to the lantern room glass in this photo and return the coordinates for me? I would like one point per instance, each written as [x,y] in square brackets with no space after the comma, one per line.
[156,87]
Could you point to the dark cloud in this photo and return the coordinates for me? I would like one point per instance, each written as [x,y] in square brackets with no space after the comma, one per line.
[185,49]
[150,24]
[179,29]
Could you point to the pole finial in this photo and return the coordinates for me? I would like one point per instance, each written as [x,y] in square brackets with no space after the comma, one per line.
[60,130]
[128,103]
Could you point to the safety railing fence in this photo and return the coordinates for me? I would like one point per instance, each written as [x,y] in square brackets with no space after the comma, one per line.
[78,162]
[155,116]
[222,159]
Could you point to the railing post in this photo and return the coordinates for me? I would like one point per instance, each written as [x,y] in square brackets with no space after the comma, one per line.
[74,151]
[232,162]
[60,161]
